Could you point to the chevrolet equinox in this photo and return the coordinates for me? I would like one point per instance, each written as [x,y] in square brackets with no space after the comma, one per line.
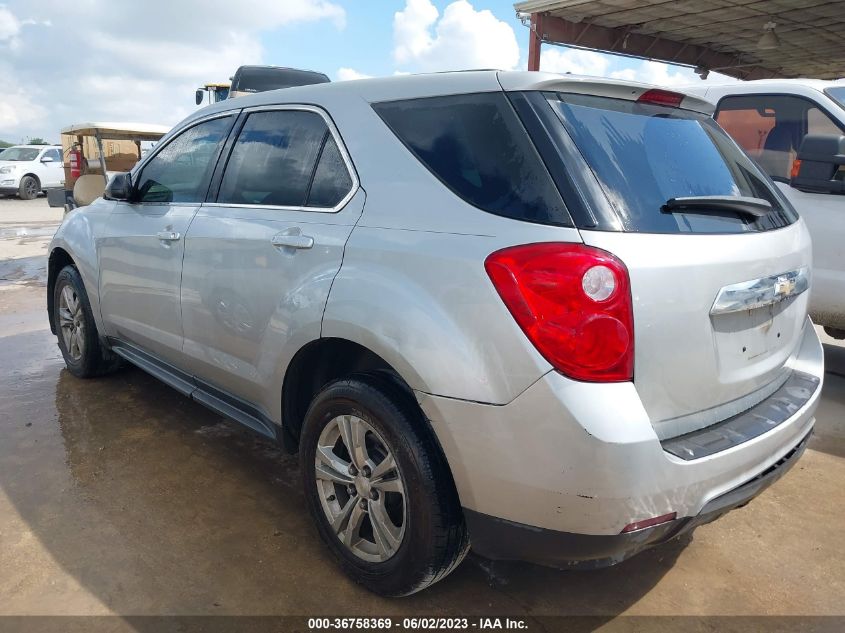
[554,319]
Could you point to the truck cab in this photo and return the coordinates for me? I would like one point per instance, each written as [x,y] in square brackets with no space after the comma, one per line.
[795,130]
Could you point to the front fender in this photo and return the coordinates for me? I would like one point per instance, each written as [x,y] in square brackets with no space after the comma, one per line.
[77,238]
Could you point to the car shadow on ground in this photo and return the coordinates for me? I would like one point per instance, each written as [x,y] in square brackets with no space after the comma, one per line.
[156,505]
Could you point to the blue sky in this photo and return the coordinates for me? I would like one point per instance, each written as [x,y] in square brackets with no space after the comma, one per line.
[366,42]
[142,61]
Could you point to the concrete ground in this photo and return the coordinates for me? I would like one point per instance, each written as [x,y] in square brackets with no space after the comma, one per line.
[119,496]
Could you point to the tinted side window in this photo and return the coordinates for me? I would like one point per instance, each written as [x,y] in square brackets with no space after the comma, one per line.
[476,146]
[273,159]
[771,127]
[331,178]
[180,171]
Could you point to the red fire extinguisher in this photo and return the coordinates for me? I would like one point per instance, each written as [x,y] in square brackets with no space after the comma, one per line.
[75,159]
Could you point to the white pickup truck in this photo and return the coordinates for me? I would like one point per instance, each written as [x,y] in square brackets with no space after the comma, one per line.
[795,129]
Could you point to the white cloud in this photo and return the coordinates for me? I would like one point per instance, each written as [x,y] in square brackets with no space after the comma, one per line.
[10,26]
[136,61]
[348,74]
[462,38]
[573,60]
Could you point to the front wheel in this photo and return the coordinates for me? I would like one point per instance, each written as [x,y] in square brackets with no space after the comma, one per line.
[29,188]
[76,329]
[378,487]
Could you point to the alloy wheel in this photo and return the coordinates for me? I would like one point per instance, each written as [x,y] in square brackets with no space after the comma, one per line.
[360,488]
[72,322]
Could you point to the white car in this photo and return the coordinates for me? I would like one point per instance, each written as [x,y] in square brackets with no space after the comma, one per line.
[26,170]
[795,130]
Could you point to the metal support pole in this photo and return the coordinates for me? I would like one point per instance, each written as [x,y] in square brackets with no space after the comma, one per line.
[102,156]
[535,41]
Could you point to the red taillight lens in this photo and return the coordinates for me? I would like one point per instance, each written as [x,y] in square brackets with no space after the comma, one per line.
[647,523]
[661,97]
[574,304]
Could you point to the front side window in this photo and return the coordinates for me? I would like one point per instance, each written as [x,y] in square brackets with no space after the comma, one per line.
[476,146]
[180,172]
[643,155]
[771,128]
[285,158]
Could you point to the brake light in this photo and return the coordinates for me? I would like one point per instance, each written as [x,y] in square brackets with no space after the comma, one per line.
[657,96]
[574,304]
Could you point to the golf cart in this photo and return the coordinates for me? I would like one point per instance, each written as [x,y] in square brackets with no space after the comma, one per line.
[93,152]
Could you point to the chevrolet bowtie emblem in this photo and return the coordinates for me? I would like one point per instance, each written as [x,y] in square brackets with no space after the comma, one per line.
[784,286]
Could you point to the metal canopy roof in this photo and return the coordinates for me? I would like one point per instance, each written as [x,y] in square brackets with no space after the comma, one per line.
[711,34]
[119,131]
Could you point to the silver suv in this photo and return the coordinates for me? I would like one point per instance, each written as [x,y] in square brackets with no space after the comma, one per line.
[553,318]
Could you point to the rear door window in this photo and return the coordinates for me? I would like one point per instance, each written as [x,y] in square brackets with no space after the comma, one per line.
[476,146]
[642,155]
[273,160]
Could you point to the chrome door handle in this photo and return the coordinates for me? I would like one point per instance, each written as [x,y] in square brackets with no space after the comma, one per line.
[292,241]
[168,236]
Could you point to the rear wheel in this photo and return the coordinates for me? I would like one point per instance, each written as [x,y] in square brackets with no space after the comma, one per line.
[29,188]
[378,487]
[79,341]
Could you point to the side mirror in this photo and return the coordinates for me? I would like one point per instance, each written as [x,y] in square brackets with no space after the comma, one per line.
[819,164]
[48,159]
[199,96]
[119,187]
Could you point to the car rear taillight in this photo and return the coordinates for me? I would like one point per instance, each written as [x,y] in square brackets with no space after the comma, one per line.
[661,97]
[574,304]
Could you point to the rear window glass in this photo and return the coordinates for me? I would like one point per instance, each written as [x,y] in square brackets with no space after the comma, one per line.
[643,155]
[476,145]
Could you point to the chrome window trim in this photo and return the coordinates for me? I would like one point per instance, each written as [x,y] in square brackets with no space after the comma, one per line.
[347,161]
[758,293]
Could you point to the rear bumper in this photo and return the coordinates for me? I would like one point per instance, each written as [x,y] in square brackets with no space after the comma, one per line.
[584,460]
[500,539]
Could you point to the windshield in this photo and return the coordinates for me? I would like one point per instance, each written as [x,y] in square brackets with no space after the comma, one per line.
[642,155]
[19,153]
[837,94]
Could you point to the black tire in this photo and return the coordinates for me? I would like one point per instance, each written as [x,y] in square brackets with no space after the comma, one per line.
[435,539]
[29,188]
[92,359]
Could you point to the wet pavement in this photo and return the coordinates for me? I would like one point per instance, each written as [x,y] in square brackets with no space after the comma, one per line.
[119,496]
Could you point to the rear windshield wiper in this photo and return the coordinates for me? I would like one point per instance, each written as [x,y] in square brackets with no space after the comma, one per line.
[754,207]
